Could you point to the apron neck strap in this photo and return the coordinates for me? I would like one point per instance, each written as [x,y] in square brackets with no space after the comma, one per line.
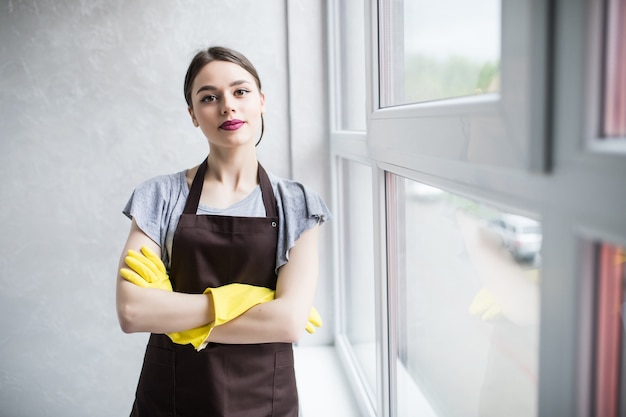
[269,201]
[193,199]
[267,192]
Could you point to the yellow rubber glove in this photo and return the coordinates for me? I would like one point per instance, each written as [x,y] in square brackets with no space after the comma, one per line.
[147,270]
[315,320]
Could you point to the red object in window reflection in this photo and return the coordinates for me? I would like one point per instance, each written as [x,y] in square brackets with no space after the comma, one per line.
[610,297]
[615,69]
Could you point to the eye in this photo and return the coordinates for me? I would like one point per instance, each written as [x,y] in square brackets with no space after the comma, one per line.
[208,99]
[241,92]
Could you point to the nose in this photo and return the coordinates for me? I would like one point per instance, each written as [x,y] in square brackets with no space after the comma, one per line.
[227,105]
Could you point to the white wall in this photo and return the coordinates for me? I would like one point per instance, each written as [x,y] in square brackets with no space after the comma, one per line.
[90,105]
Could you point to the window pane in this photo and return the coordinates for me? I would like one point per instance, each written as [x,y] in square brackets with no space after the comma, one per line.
[468,306]
[352,65]
[358,265]
[440,49]
[610,329]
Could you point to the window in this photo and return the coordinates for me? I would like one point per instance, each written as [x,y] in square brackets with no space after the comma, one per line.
[442,49]
[467,297]
[506,58]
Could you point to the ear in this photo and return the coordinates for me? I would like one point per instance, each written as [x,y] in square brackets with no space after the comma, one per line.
[193,118]
[262,95]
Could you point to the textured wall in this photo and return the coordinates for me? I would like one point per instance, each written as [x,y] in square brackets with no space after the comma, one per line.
[90,105]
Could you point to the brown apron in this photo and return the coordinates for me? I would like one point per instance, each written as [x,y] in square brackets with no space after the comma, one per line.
[222,380]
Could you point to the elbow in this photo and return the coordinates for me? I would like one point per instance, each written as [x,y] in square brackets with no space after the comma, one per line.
[292,330]
[129,310]
[292,323]
[126,327]
[127,318]
[292,337]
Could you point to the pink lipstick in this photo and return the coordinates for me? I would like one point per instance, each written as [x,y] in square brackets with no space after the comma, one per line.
[231,124]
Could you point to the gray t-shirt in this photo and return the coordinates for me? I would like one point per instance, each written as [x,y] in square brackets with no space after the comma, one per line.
[156,206]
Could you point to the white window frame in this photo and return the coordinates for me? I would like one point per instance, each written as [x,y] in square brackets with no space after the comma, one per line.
[351,146]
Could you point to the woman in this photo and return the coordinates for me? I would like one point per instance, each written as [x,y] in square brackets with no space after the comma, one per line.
[225,221]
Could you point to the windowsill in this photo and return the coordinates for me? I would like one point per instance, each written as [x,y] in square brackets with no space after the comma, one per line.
[322,386]
[411,399]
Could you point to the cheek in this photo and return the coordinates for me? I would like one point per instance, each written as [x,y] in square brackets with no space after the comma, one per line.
[255,108]
[205,113]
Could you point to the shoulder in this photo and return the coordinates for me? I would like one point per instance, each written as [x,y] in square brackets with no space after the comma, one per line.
[289,190]
[156,193]
[285,187]
[162,185]
[153,201]
[299,200]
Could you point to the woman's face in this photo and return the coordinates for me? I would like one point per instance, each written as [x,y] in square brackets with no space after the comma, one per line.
[227,104]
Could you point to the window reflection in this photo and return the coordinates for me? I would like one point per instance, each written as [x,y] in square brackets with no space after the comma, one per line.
[468,306]
[520,235]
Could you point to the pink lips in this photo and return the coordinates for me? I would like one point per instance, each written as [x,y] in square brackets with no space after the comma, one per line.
[231,124]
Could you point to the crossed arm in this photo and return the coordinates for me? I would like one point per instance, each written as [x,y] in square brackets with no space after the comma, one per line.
[280,320]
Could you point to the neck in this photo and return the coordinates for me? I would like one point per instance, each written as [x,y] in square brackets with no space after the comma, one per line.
[233,169]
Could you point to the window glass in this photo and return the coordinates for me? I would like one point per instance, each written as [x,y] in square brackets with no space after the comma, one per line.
[358,269]
[467,306]
[352,65]
[440,49]
[610,329]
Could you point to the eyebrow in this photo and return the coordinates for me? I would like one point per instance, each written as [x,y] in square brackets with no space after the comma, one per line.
[213,88]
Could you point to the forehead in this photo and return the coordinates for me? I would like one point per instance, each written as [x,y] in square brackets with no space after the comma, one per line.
[222,73]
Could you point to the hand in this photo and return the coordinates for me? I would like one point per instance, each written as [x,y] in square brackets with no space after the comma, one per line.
[147,270]
[315,320]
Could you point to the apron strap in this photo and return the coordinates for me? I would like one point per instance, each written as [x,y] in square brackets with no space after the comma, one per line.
[269,201]
[191,206]
[267,192]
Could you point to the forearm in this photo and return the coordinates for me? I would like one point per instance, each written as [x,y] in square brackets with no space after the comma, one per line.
[153,310]
[274,321]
